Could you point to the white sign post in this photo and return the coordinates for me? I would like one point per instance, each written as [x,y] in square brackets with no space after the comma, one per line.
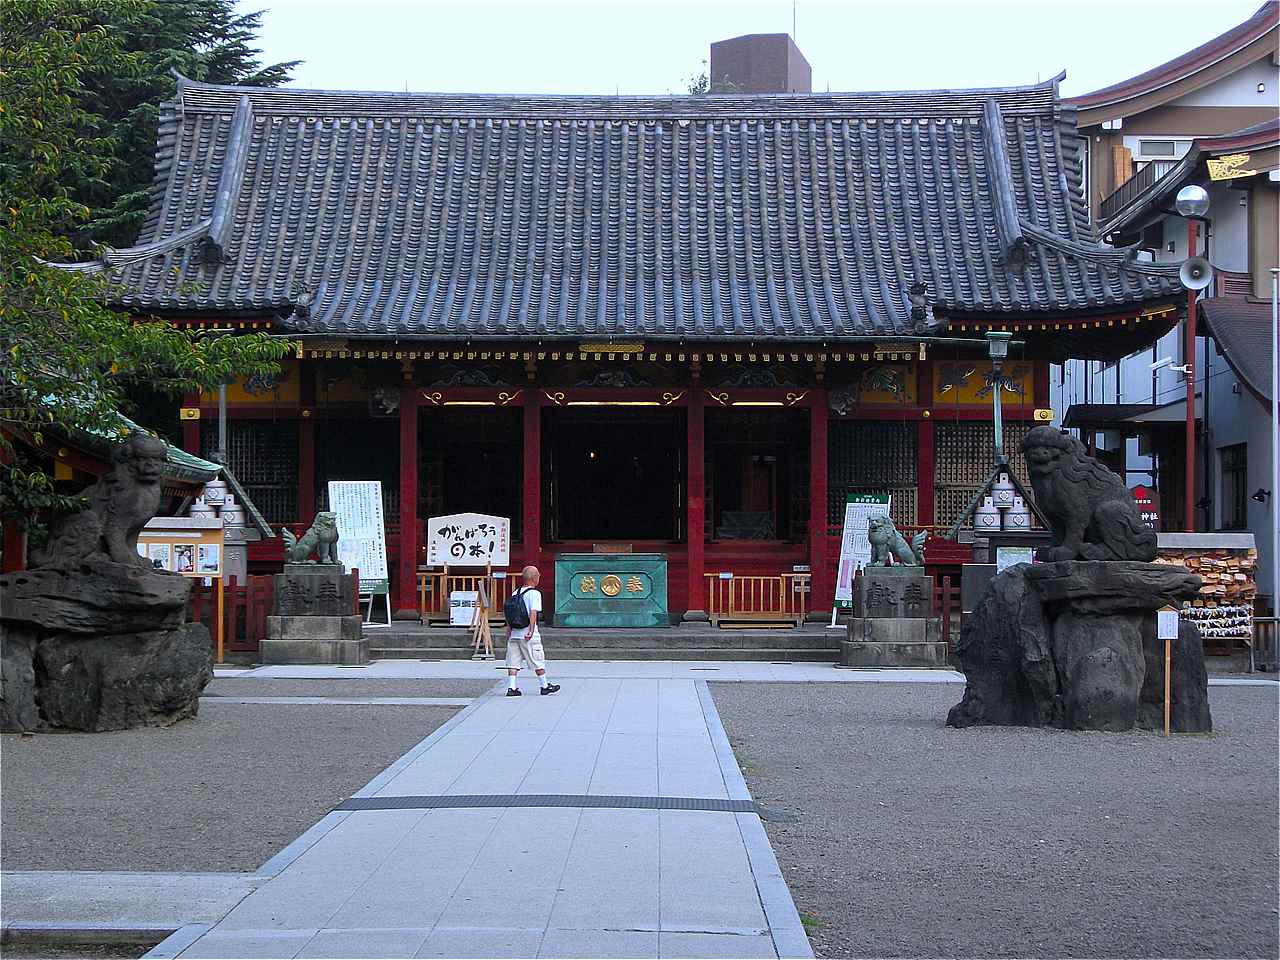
[855,546]
[1167,630]
[362,538]
[468,540]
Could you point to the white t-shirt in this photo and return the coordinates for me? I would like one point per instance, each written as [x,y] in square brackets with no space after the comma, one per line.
[533,604]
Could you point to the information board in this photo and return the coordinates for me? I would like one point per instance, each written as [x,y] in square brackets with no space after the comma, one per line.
[1007,557]
[362,533]
[1148,501]
[468,540]
[855,548]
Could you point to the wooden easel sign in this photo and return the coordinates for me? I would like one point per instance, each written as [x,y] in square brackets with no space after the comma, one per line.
[481,636]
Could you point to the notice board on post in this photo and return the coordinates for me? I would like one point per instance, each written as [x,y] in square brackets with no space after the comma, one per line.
[855,547]
[362,532]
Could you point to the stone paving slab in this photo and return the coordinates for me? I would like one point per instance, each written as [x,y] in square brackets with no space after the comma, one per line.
[535,881]
[120,899]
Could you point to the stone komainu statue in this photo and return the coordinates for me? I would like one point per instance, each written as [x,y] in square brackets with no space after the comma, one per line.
[1091,512]
[321,538]
[119,505]
[885,541]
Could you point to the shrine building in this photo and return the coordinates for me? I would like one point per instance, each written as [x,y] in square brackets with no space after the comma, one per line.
[678,325]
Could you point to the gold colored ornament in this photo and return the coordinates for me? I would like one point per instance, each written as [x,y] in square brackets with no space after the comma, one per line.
[587,585]
[634,585]
[611,585]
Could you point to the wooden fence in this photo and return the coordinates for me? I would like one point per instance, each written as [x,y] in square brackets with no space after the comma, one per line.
[434,587]
[754,599]
[245,608]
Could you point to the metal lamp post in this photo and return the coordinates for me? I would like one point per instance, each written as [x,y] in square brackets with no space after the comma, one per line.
[998,350]
[1192,202]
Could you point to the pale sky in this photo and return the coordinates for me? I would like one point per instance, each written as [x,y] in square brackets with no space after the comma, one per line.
[608,46]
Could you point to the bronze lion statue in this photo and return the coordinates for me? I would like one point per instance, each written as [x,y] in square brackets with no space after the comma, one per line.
[886,541]
[321,538]
[1090,511]
[119,505]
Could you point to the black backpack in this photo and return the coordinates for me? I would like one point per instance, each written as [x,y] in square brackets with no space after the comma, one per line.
[514,611]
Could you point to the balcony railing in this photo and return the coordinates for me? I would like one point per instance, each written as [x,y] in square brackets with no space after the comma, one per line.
[1149,174]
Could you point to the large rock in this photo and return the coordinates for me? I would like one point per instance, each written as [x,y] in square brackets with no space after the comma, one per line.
[1189,683]
[101,646]
[1070,644]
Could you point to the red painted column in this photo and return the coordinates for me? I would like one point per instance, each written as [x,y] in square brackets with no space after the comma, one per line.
[306,442]
[306,466]
[406,603]
[695,503]
[531,496]
[1189,506]
[191,428]
[15,548]
[925,449]
[820,595]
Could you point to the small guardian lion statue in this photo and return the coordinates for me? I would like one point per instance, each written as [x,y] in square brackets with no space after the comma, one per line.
[120,504]
[1091,512]
[886,540]
[321,539]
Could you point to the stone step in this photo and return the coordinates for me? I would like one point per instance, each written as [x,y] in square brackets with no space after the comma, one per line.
[637,641]
[792,655]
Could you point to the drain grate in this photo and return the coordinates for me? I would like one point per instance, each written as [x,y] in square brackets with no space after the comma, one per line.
[556,800]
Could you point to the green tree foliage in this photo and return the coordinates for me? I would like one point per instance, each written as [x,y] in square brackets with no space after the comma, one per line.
[701,85]
[202,39]
[66,358]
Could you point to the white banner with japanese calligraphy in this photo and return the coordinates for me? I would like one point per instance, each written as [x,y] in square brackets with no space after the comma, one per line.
[468,540]
[362,534]
[855,547]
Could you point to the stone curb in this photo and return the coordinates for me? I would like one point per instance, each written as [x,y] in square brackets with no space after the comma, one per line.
[789,937]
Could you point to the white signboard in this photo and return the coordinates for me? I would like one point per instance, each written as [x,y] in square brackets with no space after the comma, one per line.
[1167,623]
[855,548]
[362,535]
[468,540]
[462,607]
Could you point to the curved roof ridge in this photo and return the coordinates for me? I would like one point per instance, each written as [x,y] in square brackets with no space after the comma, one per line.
[1194,60]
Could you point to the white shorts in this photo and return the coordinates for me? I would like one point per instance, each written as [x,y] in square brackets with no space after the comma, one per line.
[522,653]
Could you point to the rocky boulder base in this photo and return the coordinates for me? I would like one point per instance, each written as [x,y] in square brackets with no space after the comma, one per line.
[102,647]
[1072,644]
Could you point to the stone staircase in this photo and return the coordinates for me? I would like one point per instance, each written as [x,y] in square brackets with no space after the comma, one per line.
[812,642]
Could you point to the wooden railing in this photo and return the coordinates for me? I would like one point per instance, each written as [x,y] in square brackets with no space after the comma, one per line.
[777,599]
[1127,191]
[245,608]
[434,587]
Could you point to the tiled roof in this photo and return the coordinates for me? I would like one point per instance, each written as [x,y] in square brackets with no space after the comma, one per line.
[755,217]
[1242,328]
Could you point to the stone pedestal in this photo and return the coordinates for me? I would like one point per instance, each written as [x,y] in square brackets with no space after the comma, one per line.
[103,647]
[891,624]
[1072,644]
[313,619]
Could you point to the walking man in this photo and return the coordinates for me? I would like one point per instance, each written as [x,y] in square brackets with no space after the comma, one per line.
[524,642]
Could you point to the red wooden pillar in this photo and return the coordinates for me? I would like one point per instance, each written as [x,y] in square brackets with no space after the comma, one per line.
[306,442]
[406,605]
[819,596]
[531,496]
[191,428]
[695,504]
[15,548]
[925,441]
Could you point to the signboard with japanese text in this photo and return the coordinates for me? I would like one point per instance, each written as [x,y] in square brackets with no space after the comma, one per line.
[468,540]
[362,534]
[855,548]
[1148,501]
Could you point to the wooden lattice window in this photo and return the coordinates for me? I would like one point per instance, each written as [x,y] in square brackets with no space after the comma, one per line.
[964,455]
[263,454]
[873,458]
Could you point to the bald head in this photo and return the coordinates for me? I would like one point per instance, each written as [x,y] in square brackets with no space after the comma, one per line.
[531,575]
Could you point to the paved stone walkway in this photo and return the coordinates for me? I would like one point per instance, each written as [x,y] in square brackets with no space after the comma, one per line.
[571,880]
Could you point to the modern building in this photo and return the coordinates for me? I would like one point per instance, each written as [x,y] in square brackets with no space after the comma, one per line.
[1214,111]
[688,326]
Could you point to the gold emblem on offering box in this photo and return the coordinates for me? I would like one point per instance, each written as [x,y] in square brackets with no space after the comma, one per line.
[611,585]
[587,585]
[634,585]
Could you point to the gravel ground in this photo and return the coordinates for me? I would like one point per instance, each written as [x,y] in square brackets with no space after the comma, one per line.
[224,791]
[915,840]
[272,687]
